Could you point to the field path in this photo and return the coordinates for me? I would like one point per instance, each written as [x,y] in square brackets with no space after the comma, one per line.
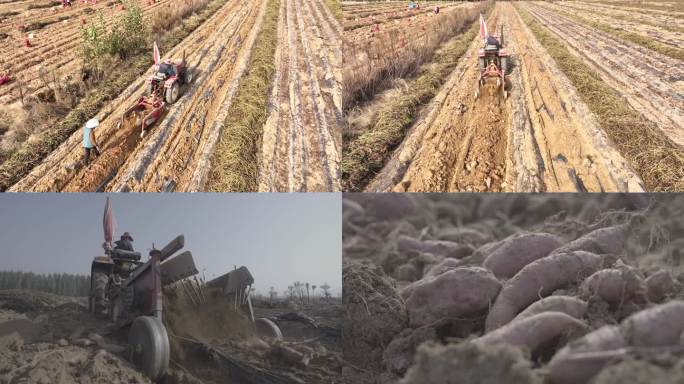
[651,83]
[301,140]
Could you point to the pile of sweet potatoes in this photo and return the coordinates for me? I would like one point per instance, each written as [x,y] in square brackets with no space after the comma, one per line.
[576,283]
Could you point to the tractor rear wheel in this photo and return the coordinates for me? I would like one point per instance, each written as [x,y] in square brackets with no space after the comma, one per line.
[150,346]
[172,93]
[267,328]
[98,285]
[120,307]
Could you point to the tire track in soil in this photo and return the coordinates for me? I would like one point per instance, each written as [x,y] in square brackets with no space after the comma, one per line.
[53,175]
[653,84]
[460,143]
[300,148]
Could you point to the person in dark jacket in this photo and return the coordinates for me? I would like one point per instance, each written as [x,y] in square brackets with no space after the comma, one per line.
[126,242]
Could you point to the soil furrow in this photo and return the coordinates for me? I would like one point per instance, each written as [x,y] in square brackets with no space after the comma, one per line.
[435,150]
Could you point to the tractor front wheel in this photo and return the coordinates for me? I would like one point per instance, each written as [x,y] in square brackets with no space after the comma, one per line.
[172,93]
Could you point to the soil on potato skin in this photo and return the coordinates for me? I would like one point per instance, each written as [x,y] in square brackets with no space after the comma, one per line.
[46,338]
[481,221]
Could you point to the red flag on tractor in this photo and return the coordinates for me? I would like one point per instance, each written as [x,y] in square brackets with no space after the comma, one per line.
[108,223]
[483,28]
[155,53]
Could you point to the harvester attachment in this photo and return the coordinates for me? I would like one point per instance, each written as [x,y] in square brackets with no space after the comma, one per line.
[236,286]
[144,113]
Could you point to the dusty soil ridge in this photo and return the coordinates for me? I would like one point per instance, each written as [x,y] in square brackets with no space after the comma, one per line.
[650,82]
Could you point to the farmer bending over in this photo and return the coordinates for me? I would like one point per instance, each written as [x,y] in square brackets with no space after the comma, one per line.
[89,142]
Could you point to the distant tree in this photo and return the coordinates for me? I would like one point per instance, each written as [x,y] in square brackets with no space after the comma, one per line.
[291,290]
[325,287]
[272,295]
[313,290]
[308,296]
[60,284]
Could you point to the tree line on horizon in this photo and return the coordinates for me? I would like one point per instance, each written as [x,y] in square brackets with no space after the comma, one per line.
[63,284]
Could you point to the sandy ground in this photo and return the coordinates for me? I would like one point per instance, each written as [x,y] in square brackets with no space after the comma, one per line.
[52,339]
[542,138]
[302,142]
[394,244]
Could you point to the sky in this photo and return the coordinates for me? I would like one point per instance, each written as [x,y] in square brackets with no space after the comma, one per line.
[281,238]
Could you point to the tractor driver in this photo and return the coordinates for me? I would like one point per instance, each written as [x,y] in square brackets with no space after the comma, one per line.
[167,68]
[491,40]
[126,242]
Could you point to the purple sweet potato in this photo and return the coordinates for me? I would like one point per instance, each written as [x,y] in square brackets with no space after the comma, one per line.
[453,294]
[614,285]
[518,250]
[579,361]
[535,331]
[436,247]
[660,285]
[566,304]
[609,240]
[540,278]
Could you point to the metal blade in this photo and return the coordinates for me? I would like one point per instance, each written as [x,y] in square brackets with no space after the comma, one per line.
[172,247]
[177,268]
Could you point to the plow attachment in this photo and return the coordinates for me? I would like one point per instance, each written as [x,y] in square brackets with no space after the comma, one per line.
[144,113]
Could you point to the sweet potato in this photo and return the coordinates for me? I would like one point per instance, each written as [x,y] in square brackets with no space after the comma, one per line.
[436,247]
[579,361]
[614,285]
[540,278]
[463,235]
[444,266]
[535,331]
[518,250]
[566,304]
[603,240]
[660,285]
[390,207]
[453,294]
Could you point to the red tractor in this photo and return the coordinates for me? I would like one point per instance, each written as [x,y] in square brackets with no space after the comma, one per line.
[167,81]
[163,88]
[492,61]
